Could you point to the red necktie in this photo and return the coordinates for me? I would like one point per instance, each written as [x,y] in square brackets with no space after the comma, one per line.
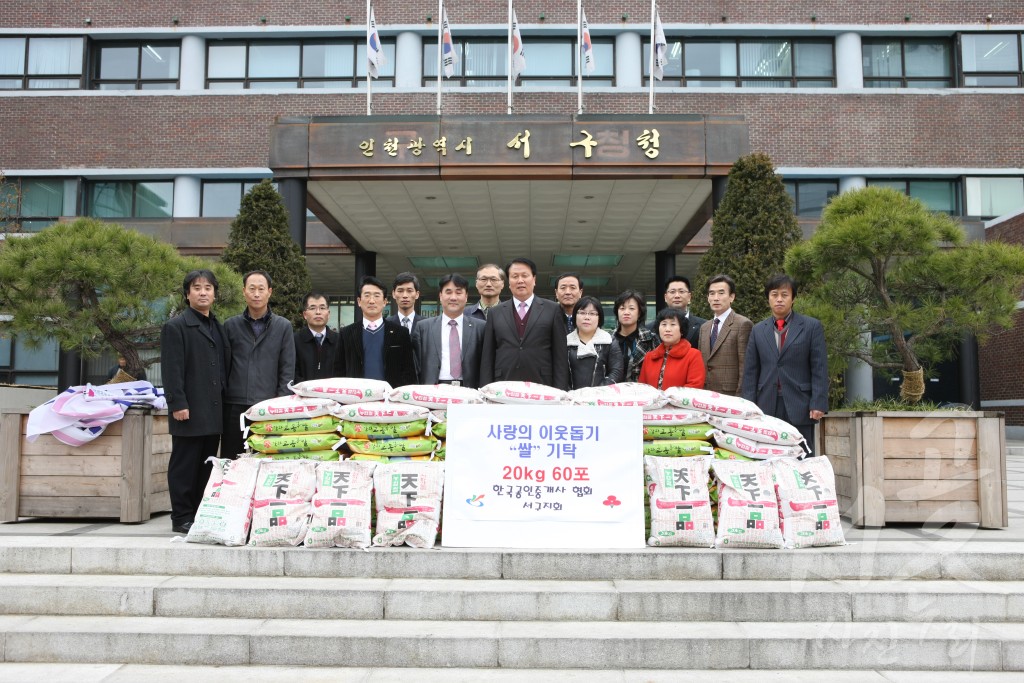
[781,324]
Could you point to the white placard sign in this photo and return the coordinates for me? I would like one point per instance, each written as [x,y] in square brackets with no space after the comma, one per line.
[543,477]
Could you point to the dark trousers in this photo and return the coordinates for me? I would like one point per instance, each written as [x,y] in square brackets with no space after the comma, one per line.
[806,428]
[231,443]
[187,474]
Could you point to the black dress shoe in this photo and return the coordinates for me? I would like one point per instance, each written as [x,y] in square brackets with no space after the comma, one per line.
[181,528]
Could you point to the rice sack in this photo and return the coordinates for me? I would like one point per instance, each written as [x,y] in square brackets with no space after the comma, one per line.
[280,506]
[387,430]
[674,448]
[712,402]
[344,390]
[341,506]
[722,454]
[697,432]
[680,502]
[670,416]
[764,429]
[408,503]
[435,396]
[325,424]
[438,423]
[293,443]
[524,393]
[413,445]
[382,412]
[288,407]
[808,504]
[225,513]
[748,513]
[621,394]
[319,456]
[293,480]
[754,449]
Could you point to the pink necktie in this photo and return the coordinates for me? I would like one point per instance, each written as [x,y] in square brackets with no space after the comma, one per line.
[454,350]
[522,310]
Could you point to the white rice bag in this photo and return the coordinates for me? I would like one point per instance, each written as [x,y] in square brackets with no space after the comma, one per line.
[408,503]
[524,393]
[277,523]
[341,505]
[287,407]
[435,395]
[382,412]
[808,504]
[680,503]
[671,416]
[621,394]
[344,390]
[225,513]
[764,429]
[286,480]
[712,402]
[754,449]
[748,512]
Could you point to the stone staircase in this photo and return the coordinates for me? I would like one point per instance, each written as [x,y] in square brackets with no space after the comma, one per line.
[929,606]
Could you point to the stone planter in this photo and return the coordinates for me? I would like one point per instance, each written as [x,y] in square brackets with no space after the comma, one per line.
[939,467]
[122,474]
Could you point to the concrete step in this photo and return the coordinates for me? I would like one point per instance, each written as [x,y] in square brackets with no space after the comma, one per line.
[132,673]
[515,645]
[926,560]
[511,600]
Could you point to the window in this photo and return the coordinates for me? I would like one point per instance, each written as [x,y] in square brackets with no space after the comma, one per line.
[22,363]
[754,63]
[293,64]
[130,199]
[41,63]
[909,63]
[483,62]
[991,60]
[937,195]
[32,203]
[135,66]
[810,196]
[223,198]
[991,197]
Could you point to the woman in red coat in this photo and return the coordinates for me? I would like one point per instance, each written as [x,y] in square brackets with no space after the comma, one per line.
[673,363]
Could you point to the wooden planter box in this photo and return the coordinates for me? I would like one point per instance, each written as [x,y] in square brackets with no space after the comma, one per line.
[122,473]
[940,467]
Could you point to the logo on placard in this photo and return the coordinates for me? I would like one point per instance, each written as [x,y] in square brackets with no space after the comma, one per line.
[476,501]
[612,501]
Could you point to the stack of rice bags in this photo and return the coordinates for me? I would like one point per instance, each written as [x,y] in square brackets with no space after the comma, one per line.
[281,502]
[293,427]
[430,402]
[225,512]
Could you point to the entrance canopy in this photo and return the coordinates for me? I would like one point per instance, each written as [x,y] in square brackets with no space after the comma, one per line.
[598,195]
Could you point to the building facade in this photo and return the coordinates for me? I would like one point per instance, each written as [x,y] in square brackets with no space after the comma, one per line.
[159,116]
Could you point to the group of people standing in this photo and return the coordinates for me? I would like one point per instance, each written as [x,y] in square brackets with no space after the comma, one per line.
[212,372]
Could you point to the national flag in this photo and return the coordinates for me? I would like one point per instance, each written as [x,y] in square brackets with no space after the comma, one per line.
[518,52]
[449,58]
[374,50]
[588,45]
[660,47]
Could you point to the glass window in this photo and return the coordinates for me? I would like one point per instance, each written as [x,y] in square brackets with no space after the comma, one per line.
[483,62]
[130,199]
[225,60]
[328,60]
[937,195]
[135,66]
[991,60]
[293,64]
[160,62]
[810,196]
[51,63]
[729,63]
[12,56]
[223,198]
[274,60]
[916,63]
[991,197]
[705,59]
[154,199]
[31,203]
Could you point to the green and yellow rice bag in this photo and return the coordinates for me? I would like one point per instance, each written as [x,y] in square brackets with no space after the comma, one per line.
[677,448]
[293,443]
[375,430]
[323,424]
[697,432]
[413,445]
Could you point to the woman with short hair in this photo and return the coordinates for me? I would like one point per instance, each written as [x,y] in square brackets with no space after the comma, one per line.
[674,363]
[594,359]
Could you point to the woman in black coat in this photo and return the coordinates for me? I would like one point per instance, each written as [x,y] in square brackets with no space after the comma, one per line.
[594,359]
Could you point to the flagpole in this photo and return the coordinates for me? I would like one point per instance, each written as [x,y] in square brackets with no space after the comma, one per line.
[508,51]
[369,77]
[650,96]
[579,57]
[440,47]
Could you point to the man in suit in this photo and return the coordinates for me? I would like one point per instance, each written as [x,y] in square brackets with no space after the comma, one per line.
[568,290]
[677,295]
[375,348]
[490,280]
[406,292]
[786,367]
[194,356]
[316,345]
[525,337]
[723,339]
[448,346]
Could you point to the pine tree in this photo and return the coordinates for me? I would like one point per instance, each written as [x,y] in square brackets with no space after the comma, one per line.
[753,228]
[260,240]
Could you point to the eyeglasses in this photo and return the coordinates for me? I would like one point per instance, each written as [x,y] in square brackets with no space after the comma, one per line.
[314,309]
[371,295]
[492,280]
[587,314]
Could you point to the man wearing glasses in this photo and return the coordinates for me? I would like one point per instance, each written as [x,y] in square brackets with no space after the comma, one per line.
[375,348]
[490,280]
[316,345]
[677,295]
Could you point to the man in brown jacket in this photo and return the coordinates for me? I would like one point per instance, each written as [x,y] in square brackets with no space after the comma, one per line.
[723,339]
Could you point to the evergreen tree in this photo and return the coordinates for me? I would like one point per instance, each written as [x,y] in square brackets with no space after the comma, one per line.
[260,240]
[9,200]
[753,228]
[93,285]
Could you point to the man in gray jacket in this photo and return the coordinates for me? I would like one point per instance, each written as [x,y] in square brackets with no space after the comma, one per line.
[262,357]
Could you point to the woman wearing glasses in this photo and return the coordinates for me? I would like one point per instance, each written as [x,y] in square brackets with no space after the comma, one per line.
[594,358]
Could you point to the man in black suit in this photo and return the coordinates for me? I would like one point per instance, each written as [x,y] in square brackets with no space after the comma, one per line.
[375,348]
[405,291]
[194,356]
[568,291]
[316,345]
[786,365]
[525,337]
[678,295]
[448,346]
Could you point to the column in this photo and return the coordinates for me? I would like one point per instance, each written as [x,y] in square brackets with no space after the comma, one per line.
[849,61]
[193,63]
[366,264]
[293,190]
[409,60]
[187,196]
[859,375]
[664,268]
[629,56]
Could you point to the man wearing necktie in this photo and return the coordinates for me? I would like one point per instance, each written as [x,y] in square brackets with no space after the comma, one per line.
[405,291]
[786,365]
[375,348]
[448,346]
[723,339]
[316,344]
